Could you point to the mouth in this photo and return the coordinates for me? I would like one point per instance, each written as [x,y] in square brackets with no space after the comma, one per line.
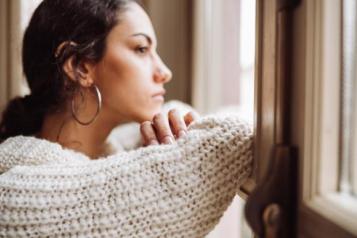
[159,95]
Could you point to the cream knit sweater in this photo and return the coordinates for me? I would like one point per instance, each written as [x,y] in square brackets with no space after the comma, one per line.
[178,190]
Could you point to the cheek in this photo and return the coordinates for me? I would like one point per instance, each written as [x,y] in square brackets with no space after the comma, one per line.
[131,66]
[126,87]
[117,74]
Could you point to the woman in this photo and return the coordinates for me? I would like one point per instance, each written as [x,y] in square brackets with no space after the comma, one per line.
[92,65]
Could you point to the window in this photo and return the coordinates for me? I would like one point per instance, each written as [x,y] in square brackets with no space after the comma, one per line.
[27,7]
[348,109]
[223,76]
[14,17]
[328,175]
[317,116]
[224,55]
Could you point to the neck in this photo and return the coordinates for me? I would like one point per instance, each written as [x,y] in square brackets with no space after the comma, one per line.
[89,139]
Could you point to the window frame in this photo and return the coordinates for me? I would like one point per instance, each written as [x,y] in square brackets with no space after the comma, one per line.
[10,61]
[322,210]
[12,82]
[267,88]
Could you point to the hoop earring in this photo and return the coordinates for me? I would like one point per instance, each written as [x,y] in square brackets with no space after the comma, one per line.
[99,106]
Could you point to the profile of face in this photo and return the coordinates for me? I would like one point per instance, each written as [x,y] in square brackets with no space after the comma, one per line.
[131,75]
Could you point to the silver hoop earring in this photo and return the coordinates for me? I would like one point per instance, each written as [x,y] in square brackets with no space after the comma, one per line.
[99,106]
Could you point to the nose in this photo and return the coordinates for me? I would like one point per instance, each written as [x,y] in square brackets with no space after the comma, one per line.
[162,73]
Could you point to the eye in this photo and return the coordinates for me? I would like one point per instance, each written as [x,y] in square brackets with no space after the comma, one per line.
[142,49]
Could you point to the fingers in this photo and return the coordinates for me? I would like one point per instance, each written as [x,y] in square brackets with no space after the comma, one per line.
[148,133]
[190,117]
[178,125]
[166,130]
[163,129]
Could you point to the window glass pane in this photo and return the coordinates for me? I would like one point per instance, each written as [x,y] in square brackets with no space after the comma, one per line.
[238,54]
[233,29]
[247,56]
[224,56]
[349,98]
[27,7]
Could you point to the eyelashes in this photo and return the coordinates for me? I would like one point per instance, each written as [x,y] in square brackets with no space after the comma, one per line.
[142,49]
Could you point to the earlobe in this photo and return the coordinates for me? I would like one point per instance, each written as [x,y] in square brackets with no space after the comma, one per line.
[84,70]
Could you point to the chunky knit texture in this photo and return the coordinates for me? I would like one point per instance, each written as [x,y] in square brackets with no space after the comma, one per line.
[178,190]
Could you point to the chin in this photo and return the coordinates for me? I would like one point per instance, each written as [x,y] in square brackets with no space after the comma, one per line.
[149,114]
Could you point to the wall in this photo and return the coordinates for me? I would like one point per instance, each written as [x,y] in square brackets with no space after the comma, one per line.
[172,21]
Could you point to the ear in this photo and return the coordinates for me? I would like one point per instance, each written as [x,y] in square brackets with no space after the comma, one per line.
[83,72]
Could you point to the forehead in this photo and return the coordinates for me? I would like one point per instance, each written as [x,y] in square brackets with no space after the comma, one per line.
[132,20]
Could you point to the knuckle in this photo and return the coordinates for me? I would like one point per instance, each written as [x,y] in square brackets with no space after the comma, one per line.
[164,130]
[144,126]
[145,123]
[157,116]
[188,115]
[165,135]
[173,112]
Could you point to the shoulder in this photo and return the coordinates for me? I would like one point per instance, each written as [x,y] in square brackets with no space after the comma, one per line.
[29,150]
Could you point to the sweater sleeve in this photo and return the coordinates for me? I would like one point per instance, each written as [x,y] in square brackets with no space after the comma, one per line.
[178,190]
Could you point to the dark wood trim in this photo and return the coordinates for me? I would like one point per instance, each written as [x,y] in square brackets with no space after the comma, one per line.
[313,225]
[265,85]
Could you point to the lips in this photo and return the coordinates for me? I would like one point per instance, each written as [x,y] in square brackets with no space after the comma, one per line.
[159,96]
[160,93]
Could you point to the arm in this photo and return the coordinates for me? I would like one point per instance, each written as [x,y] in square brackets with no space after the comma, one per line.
[158,191]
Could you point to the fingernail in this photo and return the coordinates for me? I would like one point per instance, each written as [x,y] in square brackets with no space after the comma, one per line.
[168,140]
[154,142]
[182,133]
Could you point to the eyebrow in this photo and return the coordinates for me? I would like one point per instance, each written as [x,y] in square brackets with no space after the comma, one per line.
[148,38]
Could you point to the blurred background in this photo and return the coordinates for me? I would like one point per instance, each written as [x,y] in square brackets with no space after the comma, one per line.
[210,47]
[208,44]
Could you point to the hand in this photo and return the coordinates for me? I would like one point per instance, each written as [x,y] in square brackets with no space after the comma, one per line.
[163,131]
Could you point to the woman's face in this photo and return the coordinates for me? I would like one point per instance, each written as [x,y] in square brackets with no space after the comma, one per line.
[131,75]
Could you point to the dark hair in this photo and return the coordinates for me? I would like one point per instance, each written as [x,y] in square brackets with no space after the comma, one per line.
[85,22]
